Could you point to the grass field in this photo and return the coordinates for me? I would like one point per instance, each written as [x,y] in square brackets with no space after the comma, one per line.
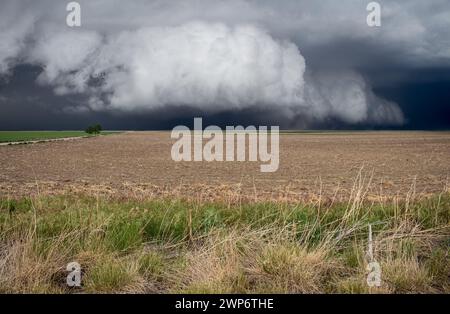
[166,246]
[23,136]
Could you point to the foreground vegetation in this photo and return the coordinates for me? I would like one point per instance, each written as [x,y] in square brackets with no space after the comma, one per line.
[160,246]
[23,136]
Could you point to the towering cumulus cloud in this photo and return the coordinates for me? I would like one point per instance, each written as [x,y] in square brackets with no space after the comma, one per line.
[208,66]
[346,96]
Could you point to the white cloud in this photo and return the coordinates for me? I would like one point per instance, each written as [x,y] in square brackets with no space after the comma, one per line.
[212,67]
[209,66]
[345,95]
[150,54]
[13,33]
[63,55]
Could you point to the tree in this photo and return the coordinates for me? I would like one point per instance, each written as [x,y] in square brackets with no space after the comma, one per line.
[94,129]
[97,128]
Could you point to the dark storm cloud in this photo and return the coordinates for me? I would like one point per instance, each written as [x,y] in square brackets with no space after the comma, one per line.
[298,64]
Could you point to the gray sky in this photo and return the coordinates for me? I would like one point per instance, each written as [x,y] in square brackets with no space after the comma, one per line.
[298,64]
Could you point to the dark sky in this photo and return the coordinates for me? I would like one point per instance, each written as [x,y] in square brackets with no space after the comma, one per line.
[156,64]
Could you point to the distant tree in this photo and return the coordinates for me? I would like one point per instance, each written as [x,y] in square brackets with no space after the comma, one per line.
[94,129]
[97,128]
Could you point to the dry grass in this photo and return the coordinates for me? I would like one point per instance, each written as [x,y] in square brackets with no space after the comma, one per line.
[160,246]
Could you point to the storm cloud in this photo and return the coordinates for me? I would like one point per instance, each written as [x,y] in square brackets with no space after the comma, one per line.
[308,62]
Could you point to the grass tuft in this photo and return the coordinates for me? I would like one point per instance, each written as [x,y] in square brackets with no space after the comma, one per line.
[180,246]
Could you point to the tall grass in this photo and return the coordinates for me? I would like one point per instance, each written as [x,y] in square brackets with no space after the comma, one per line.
[160,246]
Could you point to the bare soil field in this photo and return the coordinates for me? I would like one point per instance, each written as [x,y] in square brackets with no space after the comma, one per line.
[138,222]
[312,165]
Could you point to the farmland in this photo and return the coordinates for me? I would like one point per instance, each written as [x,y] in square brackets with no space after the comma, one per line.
[25,136]
[19,136]
[139,222]
[140,164]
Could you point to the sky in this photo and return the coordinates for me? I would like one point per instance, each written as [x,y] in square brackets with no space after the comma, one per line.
[157,64]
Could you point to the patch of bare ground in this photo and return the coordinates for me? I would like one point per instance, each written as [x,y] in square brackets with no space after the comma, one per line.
[325,166]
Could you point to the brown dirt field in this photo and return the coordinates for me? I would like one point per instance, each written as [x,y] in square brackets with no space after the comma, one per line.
[312,165]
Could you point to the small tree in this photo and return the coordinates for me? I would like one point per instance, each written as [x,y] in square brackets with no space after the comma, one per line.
[97,128]
[89,130]
[94,129]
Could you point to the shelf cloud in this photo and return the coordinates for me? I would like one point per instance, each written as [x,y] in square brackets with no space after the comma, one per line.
[231,56]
